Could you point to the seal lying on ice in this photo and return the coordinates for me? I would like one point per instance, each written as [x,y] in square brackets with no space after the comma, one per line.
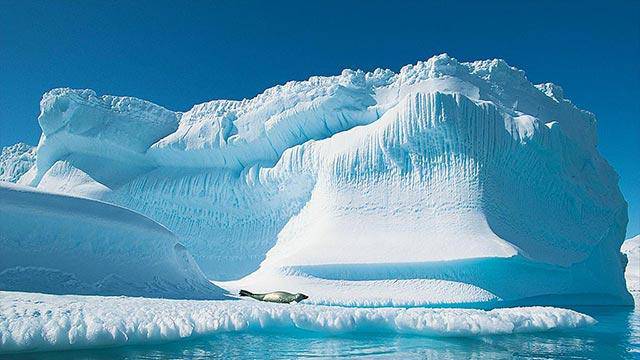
[276,296]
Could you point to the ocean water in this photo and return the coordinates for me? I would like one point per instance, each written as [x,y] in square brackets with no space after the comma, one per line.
[616,336]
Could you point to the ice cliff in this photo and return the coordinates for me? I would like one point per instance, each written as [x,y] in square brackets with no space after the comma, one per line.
[446,182]
[64,245]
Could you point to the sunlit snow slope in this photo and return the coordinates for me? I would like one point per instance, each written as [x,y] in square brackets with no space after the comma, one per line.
[462,177]
[64,245]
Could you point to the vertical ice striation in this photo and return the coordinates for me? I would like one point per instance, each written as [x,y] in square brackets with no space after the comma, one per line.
[444,173]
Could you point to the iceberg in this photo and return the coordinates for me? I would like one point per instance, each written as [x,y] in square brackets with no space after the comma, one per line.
[446,183]
[65,245]
[36,322]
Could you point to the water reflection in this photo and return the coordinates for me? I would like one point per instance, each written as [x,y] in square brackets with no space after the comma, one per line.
[616,336]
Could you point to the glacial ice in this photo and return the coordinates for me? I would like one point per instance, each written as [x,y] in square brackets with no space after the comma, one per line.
[464,178]
[64,245]
[36,322]
[15,161]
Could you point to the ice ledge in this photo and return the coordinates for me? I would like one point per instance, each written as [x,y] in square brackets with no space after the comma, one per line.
[35,322]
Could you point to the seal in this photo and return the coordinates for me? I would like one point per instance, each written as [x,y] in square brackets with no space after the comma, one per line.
[276,296]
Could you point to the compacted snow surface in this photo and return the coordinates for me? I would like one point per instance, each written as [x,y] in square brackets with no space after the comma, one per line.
[36,322]
[60,244]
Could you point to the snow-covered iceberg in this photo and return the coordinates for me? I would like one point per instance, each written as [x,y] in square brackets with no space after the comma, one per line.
[64,245]
[34,322]
[463,180]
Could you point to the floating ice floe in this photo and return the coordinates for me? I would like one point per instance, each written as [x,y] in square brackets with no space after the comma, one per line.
[36,322]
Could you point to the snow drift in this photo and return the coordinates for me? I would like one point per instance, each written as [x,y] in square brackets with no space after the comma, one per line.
[462,177]
[33,322]
[65,245]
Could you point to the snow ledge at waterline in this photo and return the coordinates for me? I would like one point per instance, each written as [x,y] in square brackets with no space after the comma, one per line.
[35,322]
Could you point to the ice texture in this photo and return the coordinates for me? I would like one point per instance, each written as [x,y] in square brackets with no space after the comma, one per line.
[15,161]
[35,322]
[464,177]
[64,245]
[631,249]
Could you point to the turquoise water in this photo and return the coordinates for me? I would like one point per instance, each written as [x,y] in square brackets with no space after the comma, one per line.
[616,336]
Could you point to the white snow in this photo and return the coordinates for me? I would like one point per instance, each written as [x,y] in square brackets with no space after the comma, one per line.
[15,161]
[443,174]
[631,248]
[35,322]
[402,198]
[65,245]
[378,292]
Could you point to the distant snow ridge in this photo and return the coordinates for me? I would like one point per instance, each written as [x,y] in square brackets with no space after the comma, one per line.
[34,322]
[16,160]
[64,245]
[464,173]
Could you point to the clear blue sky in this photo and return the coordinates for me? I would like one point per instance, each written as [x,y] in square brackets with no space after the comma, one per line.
[181,53]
